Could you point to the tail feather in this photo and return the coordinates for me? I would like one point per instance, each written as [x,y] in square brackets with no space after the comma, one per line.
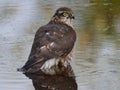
[21,70]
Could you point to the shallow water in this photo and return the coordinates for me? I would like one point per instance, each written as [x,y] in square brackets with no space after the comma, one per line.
[97,51]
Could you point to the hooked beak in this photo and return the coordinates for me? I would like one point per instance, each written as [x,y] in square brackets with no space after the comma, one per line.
[72,17]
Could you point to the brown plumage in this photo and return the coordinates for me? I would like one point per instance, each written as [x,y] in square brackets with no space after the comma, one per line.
[52,46]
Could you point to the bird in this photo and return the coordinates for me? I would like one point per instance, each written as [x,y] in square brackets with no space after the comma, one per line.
[53,45]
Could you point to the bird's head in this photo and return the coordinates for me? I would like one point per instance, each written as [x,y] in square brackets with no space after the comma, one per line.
[64,15]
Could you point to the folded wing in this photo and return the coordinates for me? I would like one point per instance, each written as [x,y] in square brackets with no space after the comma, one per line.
[51,41]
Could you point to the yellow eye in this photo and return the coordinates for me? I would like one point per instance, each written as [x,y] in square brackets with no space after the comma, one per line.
[65,14]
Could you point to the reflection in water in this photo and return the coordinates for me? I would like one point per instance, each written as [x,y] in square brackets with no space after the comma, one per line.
[97,55]
[52,82]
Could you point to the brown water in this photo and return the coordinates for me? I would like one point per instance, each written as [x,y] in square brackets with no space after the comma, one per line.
[97,52]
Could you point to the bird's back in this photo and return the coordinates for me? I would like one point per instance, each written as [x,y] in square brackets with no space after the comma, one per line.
[52,41]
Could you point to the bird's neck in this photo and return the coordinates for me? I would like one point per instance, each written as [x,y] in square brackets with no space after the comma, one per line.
[62,20]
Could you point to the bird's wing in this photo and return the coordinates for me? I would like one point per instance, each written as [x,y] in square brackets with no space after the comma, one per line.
[51,41]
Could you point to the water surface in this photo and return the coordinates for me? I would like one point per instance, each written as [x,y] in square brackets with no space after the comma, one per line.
[97,50]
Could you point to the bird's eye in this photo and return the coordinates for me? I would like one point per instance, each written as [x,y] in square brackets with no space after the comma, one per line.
[65,14]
